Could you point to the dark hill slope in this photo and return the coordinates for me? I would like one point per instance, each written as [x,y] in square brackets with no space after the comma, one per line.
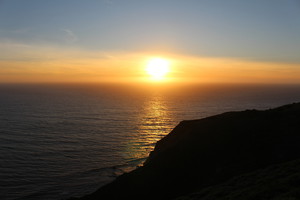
[278,182]
[209,151]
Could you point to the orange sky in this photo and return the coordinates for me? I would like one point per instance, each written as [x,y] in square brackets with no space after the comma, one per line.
[110,41]
[25,63]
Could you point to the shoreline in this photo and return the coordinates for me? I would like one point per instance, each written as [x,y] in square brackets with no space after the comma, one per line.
[203,153]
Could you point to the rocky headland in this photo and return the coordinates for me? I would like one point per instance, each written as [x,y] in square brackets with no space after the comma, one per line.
[248,154]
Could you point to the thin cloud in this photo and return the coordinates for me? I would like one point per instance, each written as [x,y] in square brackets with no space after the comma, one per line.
[108,2]
[69,36]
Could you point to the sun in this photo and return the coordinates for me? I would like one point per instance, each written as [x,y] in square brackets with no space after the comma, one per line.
[157,68]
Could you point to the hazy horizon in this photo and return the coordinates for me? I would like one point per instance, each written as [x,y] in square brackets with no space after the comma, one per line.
[112,41]
[88,88]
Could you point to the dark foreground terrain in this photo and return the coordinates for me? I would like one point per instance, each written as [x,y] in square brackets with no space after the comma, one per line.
[236,155]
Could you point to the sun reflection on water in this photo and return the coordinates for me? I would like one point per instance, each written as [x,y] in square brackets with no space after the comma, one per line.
[154,122]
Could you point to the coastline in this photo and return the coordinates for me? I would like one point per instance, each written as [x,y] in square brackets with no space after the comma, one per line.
[203,153]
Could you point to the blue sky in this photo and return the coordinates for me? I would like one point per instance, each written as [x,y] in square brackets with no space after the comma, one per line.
[256,30]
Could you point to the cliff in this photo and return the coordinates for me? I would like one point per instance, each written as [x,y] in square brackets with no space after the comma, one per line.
[204,153]
[278,182]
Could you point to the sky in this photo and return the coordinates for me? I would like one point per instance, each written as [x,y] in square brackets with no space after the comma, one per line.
[112,40]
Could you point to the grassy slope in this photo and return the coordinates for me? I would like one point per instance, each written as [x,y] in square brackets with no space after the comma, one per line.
[281,181]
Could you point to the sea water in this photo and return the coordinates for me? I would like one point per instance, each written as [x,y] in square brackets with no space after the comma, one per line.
[63,140]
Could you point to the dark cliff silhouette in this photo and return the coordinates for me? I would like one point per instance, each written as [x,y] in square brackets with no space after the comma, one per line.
[208,152]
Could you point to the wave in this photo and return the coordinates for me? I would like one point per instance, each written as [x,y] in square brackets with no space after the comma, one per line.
[82,182]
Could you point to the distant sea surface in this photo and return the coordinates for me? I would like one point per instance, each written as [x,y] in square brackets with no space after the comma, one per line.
[58,141]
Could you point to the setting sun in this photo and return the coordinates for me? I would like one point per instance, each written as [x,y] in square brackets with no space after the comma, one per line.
[157,68]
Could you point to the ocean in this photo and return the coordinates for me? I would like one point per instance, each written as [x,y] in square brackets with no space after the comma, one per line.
[64,140]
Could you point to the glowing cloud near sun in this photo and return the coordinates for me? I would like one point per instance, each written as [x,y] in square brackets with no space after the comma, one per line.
[157,68]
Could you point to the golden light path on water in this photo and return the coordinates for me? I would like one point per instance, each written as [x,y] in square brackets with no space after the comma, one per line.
[155,122]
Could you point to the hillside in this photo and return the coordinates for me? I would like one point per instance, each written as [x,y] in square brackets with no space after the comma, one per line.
[278,182]
[207,152]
